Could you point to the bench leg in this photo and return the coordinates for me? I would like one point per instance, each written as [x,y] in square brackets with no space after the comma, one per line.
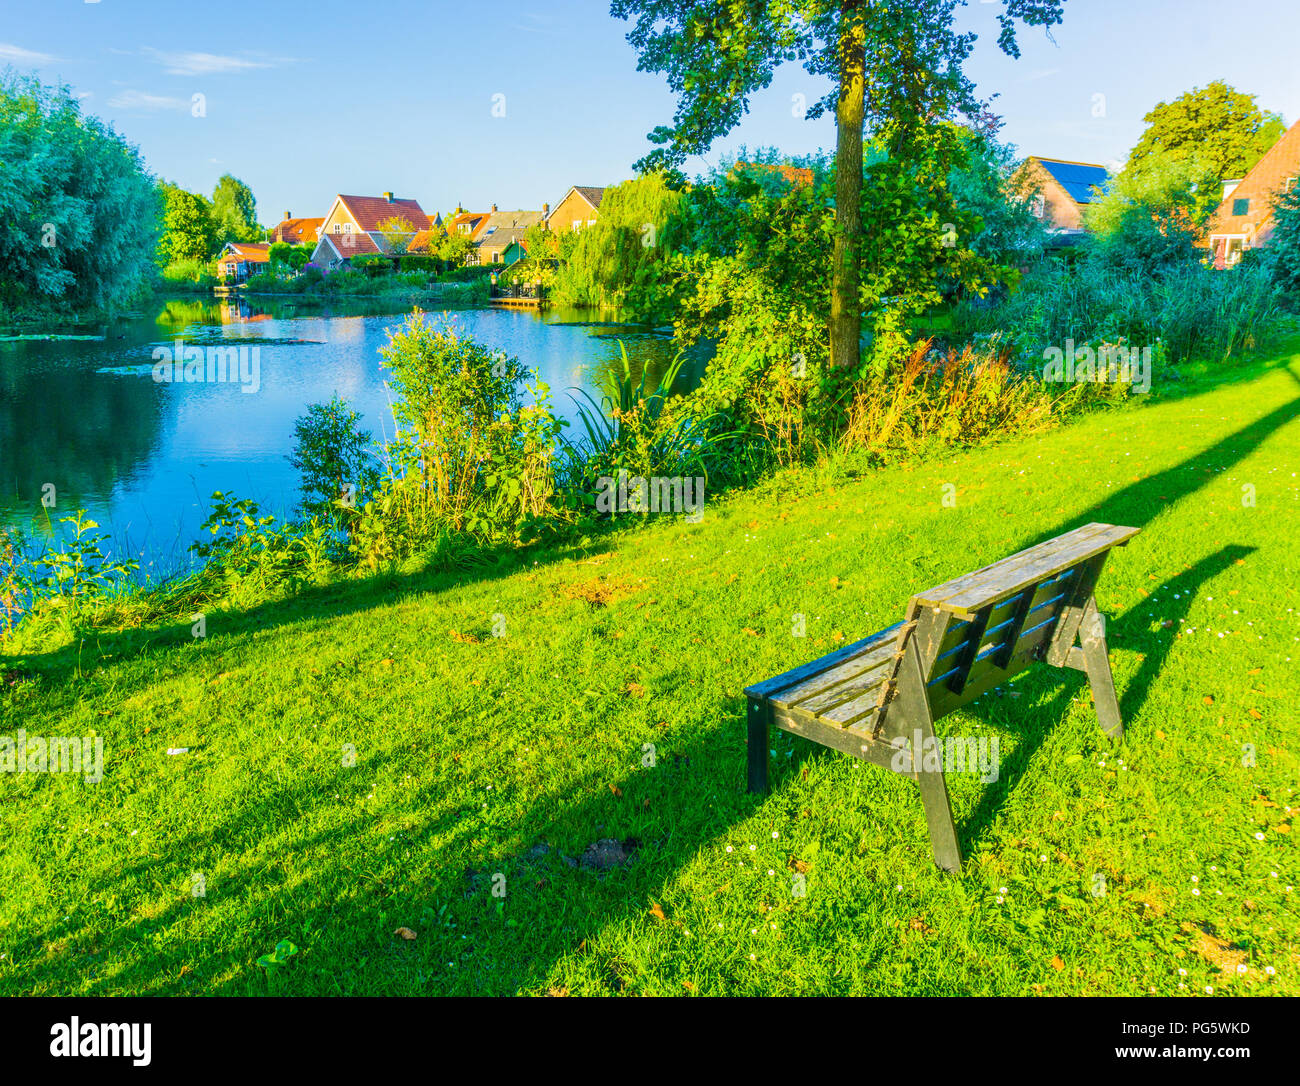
[910,711]
[938,818]
[1096,664]
[759,713]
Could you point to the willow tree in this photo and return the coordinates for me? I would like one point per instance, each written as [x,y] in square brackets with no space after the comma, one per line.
[895,65]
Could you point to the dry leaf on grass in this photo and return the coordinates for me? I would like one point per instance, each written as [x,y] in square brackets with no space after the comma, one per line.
[657,911]
[1056,963]
[405,933]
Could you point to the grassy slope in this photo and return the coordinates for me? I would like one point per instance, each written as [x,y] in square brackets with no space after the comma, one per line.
[473,750]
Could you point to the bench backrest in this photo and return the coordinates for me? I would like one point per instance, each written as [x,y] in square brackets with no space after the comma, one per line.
[986,627]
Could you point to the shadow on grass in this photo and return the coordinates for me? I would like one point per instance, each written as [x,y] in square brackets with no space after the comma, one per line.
[338,915]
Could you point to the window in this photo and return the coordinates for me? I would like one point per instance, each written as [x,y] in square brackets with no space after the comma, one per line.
[496,258]
[338,229]
[1040,206]
[347,228]
[576,225]
[1290,184]
[1241,207]
[1232,255]
[463,228]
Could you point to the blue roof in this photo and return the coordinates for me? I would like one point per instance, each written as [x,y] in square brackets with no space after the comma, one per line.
[1076,178]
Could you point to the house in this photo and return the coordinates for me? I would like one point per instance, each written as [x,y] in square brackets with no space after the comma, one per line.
[297,231]
[353,227]
[1063,190]
[468,223]
[578,209]
[238,260]
[1244,220]
[501,236]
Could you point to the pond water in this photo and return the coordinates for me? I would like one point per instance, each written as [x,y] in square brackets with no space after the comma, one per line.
[86,423]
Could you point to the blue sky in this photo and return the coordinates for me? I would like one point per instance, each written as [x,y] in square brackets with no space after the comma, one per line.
[305,100]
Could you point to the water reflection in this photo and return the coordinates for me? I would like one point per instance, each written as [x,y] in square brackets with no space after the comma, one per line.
[144,457]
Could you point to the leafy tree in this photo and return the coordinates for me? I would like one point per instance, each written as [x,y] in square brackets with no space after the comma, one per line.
[78,212]
[1282,253]
[1007,230]
[294,256]
[624,259]
[1149,219]
[234,212]
[1220,131]
[188,230]
[894,64]
[397,231]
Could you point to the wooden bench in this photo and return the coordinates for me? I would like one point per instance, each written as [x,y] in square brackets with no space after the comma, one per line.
[873,698]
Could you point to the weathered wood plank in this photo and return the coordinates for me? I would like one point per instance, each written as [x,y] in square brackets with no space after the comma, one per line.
[986,674]
[936,596]
[815,667]
[863,665]
[1003,584]
[853,741]
[846,690]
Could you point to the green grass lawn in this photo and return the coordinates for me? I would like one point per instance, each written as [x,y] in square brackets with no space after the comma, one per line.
[488,764]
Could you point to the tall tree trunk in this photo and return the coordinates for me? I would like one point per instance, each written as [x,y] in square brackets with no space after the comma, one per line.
[846,312]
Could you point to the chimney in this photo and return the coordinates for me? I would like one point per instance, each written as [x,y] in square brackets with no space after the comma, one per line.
[288,214]
[388,196]
[546,210]
[494,208]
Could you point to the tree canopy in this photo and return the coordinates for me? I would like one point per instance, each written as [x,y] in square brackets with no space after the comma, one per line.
[234,212]
[895,65]
[1220,132]
[77,209]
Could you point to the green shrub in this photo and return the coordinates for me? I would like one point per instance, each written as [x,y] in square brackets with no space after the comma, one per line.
[480,459]
[335,462]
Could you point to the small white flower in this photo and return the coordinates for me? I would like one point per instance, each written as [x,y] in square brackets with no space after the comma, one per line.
[1241,968]
[1182,972]
[775,835]
[1209,989]
[999,899]
[1195,892]
[1259,837]
[1269,970]
[1196,878]
[728,848]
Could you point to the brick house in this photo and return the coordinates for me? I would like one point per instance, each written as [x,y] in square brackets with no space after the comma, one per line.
[297,231]
[579,208]
[1063,190]
[1245,218]
[238,260]
[352,227]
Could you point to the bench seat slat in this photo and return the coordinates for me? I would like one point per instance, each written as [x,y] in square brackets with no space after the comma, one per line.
[884,640]
[871,679]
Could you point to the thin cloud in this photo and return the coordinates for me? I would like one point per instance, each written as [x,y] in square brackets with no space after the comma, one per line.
[134,99]
[18,55]
[210,63]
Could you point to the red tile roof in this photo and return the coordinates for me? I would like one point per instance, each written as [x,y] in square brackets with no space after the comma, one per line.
[476,219]
[298,231]
[369,211]
[249,253]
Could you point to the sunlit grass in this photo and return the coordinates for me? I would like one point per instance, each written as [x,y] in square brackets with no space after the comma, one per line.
[611,709]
